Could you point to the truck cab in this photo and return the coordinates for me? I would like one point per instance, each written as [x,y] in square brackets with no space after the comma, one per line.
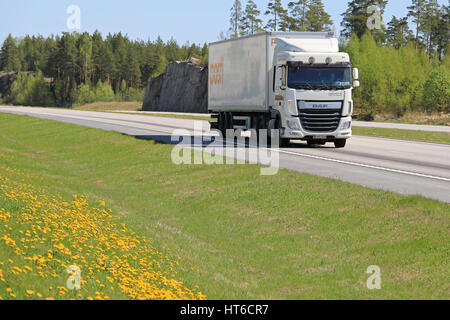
[296,83]
[312,94]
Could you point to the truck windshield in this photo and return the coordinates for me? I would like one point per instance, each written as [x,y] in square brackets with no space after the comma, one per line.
[316,78]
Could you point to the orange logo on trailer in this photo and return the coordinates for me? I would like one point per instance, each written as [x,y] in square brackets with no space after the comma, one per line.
[216,73]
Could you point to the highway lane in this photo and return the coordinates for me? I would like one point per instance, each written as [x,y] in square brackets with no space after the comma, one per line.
[366,124]
[405,167]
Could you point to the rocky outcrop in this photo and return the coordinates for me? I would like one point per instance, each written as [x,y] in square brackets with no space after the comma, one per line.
[6,80]
[183,87]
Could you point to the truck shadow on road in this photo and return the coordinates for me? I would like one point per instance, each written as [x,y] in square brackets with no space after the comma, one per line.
[191,141]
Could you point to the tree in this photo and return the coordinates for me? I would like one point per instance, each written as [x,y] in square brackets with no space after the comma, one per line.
[133,74]
[236,19]
[416,12]
[9,55]
[27,54]
[398,32]
[84,45]
[64,62]
[437,90]
[30,90]
[318,19]
[430,23]
[356,16]
[441,32]
[251,22]
[278,15]
[98,57]
[297,12]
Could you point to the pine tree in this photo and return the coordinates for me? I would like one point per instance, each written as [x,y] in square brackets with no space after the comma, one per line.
[251,21]
[318,19]
[355,18]
[9,55]
[398,32]
[27,54]
[297,12]
[431,22]
[441,32]
[98,57]
[64,64]
[417,13]
[84,45]
[236,19]
[278,15]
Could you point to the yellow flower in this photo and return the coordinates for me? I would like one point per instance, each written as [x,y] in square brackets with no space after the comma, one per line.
[30,292]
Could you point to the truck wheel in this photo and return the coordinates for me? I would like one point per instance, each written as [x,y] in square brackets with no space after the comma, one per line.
[228,120]
[221,123]
[283,143]
[340,143]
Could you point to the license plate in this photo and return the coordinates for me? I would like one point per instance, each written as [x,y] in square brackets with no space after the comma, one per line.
[320,137]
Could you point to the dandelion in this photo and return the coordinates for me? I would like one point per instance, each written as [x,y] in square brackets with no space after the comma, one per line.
[44,230]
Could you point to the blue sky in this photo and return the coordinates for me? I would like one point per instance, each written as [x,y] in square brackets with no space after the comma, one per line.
[196,21]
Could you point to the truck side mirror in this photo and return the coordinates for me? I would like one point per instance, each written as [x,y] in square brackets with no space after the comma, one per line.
[355,73]
[356,84]
[280,83]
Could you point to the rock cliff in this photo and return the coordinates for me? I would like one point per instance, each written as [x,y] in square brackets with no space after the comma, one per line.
[183,87]
[6,80]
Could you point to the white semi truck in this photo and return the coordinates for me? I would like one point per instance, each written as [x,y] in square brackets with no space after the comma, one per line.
[296,82]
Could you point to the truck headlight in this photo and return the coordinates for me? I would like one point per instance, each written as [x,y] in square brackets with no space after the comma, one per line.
[293,125]
[347,125]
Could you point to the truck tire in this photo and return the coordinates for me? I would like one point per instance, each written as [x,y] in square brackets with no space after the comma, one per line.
[221,124]
[340,143]
[229,120]
[283,143]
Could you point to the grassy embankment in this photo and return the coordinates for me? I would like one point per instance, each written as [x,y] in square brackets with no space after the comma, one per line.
[441,137]
[237,234]
[434,119]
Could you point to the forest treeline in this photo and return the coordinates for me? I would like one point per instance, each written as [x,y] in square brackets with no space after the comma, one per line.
[82,68]
[402,69]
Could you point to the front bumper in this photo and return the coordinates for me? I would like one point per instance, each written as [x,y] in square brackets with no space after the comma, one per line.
[294,130]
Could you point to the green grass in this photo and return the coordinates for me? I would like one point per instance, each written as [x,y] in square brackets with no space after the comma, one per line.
[441,137]
[111,106]
[422,118]
[241,235]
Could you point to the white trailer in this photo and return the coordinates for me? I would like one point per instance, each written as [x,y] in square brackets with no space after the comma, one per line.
[297,82]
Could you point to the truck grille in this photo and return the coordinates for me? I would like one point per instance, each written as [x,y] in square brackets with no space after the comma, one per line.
[320,120]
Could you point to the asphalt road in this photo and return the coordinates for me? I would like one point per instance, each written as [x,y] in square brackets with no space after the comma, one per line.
[405,167]
[367,124]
